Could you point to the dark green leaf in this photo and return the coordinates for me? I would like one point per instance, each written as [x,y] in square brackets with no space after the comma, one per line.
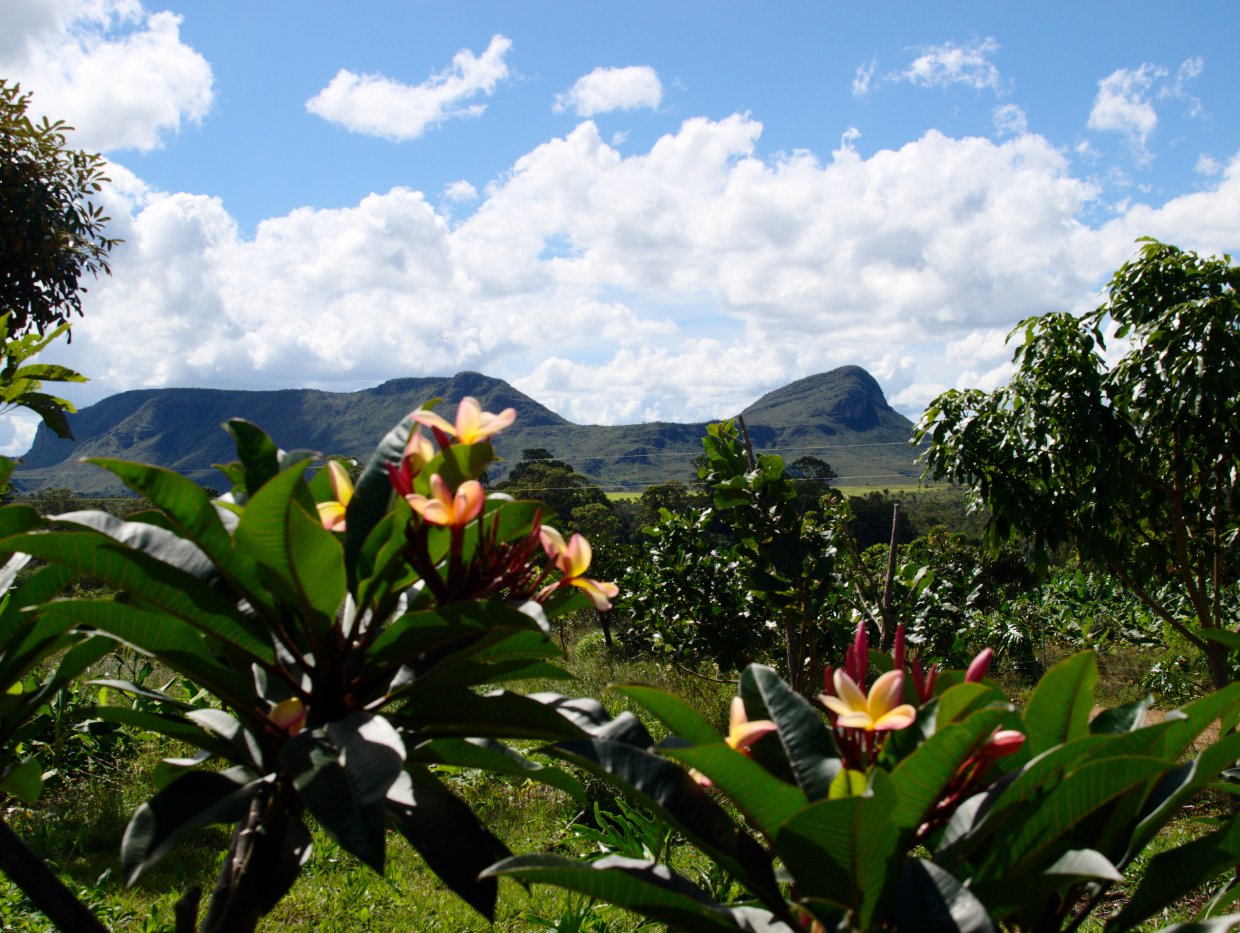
[448,836]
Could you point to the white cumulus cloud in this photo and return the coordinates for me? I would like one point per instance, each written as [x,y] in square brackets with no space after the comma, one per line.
[119,74]
[1124,105]
[379,106]
[954,63]
[607,89]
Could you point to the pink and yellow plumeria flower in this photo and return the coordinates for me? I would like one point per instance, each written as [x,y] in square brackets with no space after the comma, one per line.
[331,514]
[419,451]
[573,560]
[473,425]
[444,508]
[741,734]
[881,711]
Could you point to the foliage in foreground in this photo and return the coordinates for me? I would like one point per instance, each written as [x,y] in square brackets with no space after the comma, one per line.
[343,634]
[929,804]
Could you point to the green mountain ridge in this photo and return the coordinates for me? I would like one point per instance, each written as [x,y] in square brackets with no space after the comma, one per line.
[840,416]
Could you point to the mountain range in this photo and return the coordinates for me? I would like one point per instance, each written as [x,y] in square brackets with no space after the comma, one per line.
[841,417]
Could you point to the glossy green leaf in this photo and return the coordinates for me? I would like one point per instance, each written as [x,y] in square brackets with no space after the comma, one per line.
[1021,898]
[1121,719]
[496,758]
[1172,874]
[932,900]
[24,781]
[189,507]
[681,718]
[923,778]
[807,744]
[305,558]
[176,644]
[1059,709]
[460,712]
[767,801]
[448,836]
[843,851]
[155,583]
[672,794]
[1179,785]
[1065,804]
[175,727]
[344,772]
[197,798]
[643,887]
[259,457]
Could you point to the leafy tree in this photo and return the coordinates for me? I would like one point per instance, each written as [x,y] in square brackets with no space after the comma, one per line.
[1135,463]
[773,577]
[538,475]
[871,519]
[50,232]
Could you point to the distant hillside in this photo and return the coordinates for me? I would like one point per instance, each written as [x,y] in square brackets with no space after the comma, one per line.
[841,417]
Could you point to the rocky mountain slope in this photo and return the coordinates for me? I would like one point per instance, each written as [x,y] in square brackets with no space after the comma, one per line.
[841,417]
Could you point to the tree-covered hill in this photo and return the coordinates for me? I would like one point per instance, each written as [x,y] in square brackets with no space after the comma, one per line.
[841,417]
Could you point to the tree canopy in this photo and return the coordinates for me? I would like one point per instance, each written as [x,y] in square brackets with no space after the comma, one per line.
[1134,462]
[51,234]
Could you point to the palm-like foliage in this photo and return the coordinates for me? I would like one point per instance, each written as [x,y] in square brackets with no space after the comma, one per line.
[936,831]
[346,665]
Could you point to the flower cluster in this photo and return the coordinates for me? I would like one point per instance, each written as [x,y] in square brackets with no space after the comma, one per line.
[493,568]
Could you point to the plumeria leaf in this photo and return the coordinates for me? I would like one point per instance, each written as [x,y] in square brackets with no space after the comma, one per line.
[260,458]
[1059,709]
[24,781]
[808,747]
[497,758]
[344,772]
[677,798]
[146,577]
[1121,719]
[197,798]
[176,644]
[448,836]
[843,851]
[1177,872]
[923,778]
[677,715]
[643,887]
[767,801]
[934,901]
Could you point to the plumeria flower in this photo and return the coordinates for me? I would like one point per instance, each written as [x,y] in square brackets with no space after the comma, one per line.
[741,734]
[573,560]
[419,451]
[877,712]
[289,715]
[331,514]
[444,508]
[473,425]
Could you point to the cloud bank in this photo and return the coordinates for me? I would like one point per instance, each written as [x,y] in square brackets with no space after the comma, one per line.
[117,73]
[672,283]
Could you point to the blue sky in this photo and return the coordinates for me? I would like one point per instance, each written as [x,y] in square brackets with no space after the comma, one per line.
[630,211]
